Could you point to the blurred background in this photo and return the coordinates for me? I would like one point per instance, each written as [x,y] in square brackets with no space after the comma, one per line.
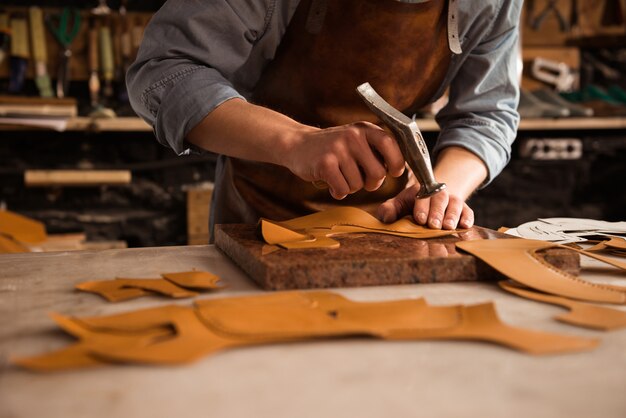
[74,156]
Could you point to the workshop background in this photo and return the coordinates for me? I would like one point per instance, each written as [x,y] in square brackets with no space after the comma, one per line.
[93,173]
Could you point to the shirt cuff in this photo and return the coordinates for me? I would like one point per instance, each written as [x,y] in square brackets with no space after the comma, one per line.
[185,102]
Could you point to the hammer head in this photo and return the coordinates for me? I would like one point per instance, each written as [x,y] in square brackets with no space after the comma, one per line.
[408,137]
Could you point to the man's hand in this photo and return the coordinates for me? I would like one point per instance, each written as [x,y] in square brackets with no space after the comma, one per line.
[348,158]
[463,172]
[442,210]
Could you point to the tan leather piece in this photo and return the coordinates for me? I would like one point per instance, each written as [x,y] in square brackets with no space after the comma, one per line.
[517,259]
[173,285]
[580,313]
[201,280]
[82,354]
[176,334]
[313,231]
[123,289]
[21,228]
[8,245]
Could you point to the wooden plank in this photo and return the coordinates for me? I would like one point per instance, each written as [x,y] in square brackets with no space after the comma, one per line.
[76,178]
[198,209]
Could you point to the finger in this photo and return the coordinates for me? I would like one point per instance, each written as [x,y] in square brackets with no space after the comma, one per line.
[352,175]
[330,173]
[398,206]
[467,217]
[438,205]
[453,212]
[421,210]
[388,148]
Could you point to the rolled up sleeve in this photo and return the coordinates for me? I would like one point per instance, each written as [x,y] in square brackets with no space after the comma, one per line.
[481,115]
[184,68]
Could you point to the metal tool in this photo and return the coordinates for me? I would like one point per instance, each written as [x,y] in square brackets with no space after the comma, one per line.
[551,6]
[40,53]
[102,9]
[408,137]
[557,74]
[65,34]
[19,52]
[5,36]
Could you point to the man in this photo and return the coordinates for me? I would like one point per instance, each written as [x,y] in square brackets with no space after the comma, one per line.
[270,86]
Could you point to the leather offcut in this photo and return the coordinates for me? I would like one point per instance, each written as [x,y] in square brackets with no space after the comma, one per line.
[178,335]
[17,231]
[517,259]
[580,313]
[173,285]
[315,231]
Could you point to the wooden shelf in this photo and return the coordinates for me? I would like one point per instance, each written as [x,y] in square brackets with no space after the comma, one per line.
[134,124]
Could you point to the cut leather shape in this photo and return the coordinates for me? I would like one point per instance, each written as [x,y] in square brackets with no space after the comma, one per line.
[82,354]
[124,289]
[173,285]
[8,245]
[314,231]
[580,313]
[200,280]
[177,335]
[517,259]
[615,245]
[21,228]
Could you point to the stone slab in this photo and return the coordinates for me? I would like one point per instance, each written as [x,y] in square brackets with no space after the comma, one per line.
[366,260]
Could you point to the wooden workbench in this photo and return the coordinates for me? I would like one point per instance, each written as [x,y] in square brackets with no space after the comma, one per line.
[340,378]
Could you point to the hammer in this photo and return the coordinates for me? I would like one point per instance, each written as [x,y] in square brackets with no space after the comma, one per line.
[408,137]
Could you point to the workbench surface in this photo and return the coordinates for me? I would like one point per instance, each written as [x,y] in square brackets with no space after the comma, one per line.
[337,378]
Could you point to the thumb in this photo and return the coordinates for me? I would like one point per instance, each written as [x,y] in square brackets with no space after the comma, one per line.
[399,206]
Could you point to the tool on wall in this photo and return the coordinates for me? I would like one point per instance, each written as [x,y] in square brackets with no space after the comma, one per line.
[98,110]
[102,9]
[409,138]
[20,52]
[5,36]
[64,27]
[557,74]
[125,51]
[551,6]
[107,69]
[40,53]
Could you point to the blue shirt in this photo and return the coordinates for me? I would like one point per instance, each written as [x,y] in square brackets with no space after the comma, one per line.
[196,54]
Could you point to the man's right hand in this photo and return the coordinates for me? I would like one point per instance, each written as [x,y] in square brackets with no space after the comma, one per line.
[347,158]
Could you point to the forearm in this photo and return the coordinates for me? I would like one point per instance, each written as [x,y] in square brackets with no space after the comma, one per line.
[243,130]
[461,170]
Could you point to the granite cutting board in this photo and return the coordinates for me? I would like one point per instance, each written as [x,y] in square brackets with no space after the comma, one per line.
[366,260]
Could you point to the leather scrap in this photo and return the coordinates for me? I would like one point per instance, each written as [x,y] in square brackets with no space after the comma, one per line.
[517,259]
[9,246]
[201,280]
[315,230]
[173,285]
[580,313]
[22,229]
[178,335]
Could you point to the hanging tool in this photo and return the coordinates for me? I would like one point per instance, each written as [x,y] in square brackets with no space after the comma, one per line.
[551,6]
[125,51]
[94,66]
[98,110]
[64,34]
[557,74]
[40,54]
[5,35]
[102,9]
[19,52]
[408,137]
[107,65]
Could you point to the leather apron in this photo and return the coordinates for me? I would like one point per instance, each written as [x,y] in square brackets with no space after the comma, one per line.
[330,47]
